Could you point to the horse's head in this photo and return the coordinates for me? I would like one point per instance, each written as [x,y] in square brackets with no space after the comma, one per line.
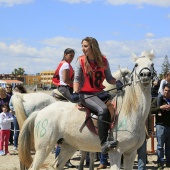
[143,70]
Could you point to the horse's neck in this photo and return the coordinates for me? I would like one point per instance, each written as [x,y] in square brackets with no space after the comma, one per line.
[136,101]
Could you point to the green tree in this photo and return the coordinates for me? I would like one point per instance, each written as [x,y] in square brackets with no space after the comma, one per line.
[165,65]
[19,71]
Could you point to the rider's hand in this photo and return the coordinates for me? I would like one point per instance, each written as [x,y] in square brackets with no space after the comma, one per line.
[119,85]
[75,97]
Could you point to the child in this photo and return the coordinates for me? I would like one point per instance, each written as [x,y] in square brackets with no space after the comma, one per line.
[5,124]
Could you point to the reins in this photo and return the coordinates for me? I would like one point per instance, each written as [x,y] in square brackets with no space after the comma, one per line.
[128,84]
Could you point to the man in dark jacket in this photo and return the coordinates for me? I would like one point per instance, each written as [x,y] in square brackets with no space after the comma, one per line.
[162,113]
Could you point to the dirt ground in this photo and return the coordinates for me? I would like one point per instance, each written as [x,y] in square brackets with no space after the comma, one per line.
[11,162]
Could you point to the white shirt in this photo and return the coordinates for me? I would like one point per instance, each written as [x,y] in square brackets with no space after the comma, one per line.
[5,120]
[163,82]
[63,67]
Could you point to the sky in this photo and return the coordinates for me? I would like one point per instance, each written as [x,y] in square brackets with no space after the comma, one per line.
[35,33]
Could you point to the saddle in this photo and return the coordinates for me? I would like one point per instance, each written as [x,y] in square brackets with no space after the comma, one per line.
[58,96]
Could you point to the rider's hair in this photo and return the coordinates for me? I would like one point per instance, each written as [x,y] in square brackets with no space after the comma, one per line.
[67,51]
[98,56]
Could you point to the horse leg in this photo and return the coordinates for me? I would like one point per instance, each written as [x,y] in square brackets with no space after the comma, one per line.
[83,157]
[66,153]
[92,157]
[115,160]
[129,158]
[39,158]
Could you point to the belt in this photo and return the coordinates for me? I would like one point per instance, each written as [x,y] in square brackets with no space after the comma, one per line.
[63,86]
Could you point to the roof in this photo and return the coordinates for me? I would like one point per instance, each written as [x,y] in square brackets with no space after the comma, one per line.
[11,81]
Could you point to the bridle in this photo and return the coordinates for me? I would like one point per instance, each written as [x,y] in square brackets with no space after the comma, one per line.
[152,74]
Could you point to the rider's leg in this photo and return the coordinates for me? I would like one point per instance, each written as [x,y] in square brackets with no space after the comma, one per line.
[97,105]
[66,91]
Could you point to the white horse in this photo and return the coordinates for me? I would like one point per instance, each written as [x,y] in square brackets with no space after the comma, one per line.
[25,104]
[60,122]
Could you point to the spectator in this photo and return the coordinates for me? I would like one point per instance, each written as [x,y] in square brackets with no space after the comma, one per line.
[4,97]
[163,82]
[162,111]
[155,88]
[9,89]
[10,93]
[68,163]
[103,161]
[5,124]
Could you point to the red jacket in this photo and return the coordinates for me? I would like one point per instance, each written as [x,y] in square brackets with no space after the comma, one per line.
[93,82]
[56,77]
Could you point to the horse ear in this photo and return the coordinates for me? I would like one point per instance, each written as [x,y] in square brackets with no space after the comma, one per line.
[134,56]
[151,56]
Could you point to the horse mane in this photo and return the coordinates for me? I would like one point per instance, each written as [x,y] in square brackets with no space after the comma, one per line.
[131,100]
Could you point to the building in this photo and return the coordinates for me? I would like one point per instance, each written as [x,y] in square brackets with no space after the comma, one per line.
[43,79]
[46,78]
[12,82]
[31,80]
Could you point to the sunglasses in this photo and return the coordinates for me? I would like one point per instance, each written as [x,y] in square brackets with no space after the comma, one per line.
[8,87]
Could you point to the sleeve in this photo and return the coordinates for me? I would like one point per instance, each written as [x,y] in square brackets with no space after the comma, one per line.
[1,119]
[154,108]
[108,74]
[11,105]
[161,87]
[8,119]
[78,73]
[65,66]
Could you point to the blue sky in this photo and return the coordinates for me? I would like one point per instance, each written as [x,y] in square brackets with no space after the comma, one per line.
[34,33]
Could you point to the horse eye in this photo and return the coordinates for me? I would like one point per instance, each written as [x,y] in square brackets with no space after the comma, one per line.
[136,65]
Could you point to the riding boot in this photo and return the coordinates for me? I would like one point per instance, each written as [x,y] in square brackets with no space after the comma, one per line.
[103,128]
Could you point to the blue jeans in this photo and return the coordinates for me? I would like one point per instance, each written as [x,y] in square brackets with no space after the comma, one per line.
[103,159]
[163,137]
[142,157]
[16,132]
[57,151]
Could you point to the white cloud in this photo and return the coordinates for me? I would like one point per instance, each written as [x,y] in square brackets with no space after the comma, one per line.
[149,35]
[139,3]
[14,2]
[35,60]
[168,16]
[164,3]
[77,1]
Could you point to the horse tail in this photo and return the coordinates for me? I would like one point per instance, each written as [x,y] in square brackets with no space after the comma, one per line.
[17,101]
[26,138]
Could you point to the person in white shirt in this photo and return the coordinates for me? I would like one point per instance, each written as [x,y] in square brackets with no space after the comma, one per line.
[162,84]
[64,74]
[5,124]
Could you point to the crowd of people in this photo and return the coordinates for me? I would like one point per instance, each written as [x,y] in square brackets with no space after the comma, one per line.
[85,82]
[9,128]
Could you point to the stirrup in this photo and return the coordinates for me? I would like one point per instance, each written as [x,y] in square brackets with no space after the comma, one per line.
[107,145]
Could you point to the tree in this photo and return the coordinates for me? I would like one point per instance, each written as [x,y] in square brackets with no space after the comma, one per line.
[165,65]
[19,71]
